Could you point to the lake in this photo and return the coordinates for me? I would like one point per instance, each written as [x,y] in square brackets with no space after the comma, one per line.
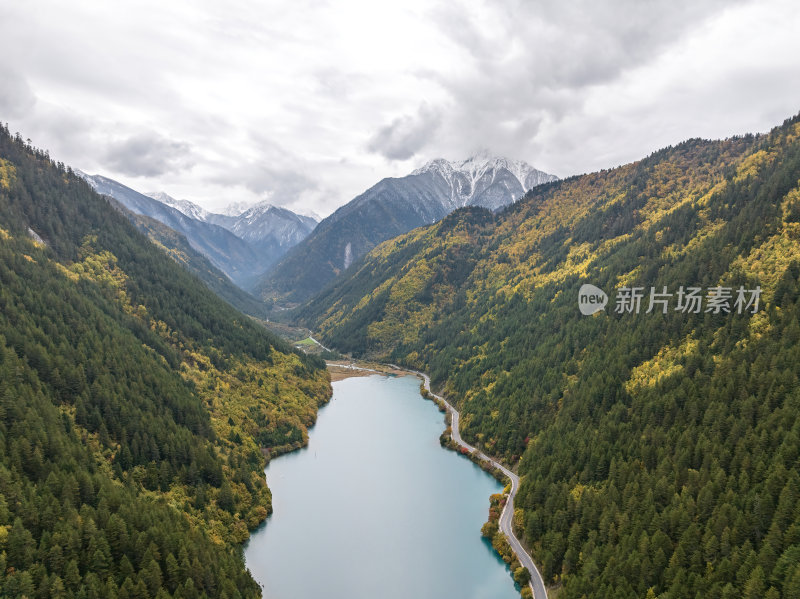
[375,507]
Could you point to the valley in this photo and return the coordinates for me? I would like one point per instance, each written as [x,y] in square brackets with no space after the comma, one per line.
[642,442]
[409,300]
[137,409]
[392,207]
[649,452]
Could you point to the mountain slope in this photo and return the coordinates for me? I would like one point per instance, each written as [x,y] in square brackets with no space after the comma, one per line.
[659,452]
[270,230]
[390,208]
[225,250]
[483,180]
[179,249]
[134,404]
[188,208]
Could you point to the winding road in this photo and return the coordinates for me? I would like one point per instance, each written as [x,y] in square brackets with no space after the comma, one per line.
[506,517]
[310,336]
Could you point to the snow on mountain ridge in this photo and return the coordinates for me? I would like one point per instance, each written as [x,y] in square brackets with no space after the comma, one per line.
[254,223]
[242,247]
[256,210]
[86,177]
[308,214]
[236,208]
[473,176]
[184,206]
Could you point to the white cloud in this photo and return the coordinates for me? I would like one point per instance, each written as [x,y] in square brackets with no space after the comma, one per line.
[16,97]
[310,102]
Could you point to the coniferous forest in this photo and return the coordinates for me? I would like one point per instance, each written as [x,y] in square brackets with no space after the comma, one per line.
[134,404]
[659,451]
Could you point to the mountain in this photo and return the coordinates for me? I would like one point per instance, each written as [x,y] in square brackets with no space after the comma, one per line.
[232,255]
[658,447]
[390,208]
[243,243]
[136,407]
[179,249]
[184,206]
[235,208]
[482,180]
[270,230]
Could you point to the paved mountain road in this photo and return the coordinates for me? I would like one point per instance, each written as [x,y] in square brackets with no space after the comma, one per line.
[506,517]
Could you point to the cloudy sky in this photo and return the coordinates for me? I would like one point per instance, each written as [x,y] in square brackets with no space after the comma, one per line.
[307,103]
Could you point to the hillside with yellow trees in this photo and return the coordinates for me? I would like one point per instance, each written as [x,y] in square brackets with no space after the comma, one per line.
[658,439]
[136,408]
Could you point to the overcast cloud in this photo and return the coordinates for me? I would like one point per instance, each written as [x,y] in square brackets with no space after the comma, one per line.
[308,103]
[406,135]
[147,154]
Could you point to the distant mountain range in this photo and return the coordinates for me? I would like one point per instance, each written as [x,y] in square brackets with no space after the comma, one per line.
[278,254]
[243,245]
[481,180]
[266,227]
[392,207]
[185,206]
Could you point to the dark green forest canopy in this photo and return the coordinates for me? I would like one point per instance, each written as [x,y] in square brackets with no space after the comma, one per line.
[659,453]
[115,477]
[179,249]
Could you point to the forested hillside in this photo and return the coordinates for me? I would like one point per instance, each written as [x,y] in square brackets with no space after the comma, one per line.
[224,249]
[179,249]
[134,404]
[390,208]
[659,452]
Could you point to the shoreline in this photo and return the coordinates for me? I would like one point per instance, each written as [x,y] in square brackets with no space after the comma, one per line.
[536,583]
[342,369]
[352,369]
[489,464]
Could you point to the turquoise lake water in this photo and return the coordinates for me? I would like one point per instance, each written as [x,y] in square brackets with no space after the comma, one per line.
[374,508]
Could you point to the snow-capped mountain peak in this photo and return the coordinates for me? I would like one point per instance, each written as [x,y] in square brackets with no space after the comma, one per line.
[308,214]
[236,208]
[437,165]
[256,210]
[185,206]
[262,224]
[247,210]
[470,180]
